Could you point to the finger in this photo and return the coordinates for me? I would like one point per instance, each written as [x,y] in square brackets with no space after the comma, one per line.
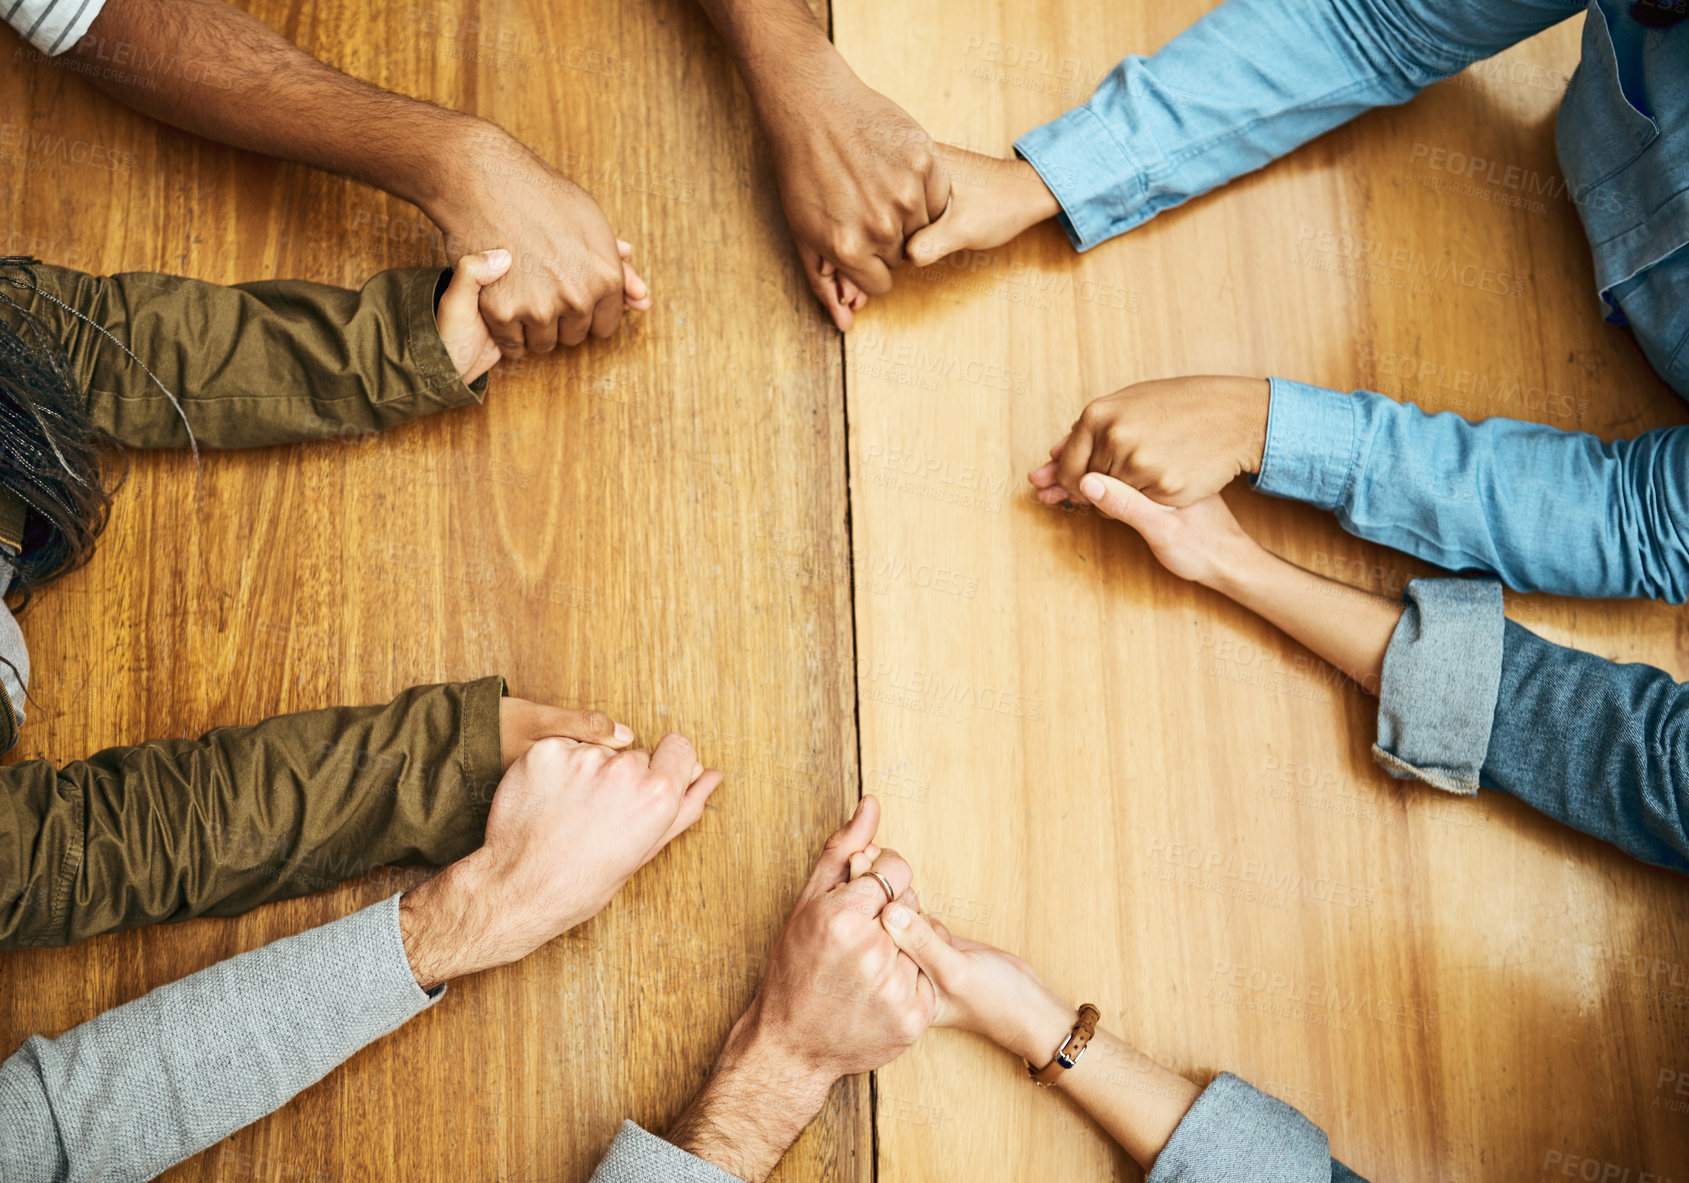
[911,898]
[573,327]
[539,336]
[675,758]
[1075,455]
[1055,452]
[832,868]
[461,301]
[941,237]
[850,295]
[1043,476]
[692,804]
[1123,503]
[636,293]
[912,934]
[940,930]
[1054,495]
[624,248]
[860,864]
[820,273]
[871,273]
[607,314]
[939,194]
[585,726]
[638,756]
[867,894]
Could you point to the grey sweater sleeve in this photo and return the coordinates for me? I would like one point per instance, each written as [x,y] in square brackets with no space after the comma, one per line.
[1235,1133]
[639,1157]
[150,1083]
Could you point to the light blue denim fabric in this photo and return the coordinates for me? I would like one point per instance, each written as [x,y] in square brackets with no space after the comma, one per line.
[1254,79]
[1469,696]
[1543,510]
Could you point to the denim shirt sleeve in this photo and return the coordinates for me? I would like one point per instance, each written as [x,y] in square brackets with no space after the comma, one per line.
[1247,83]
[1235,1133]
[1543,509]
[1469,698]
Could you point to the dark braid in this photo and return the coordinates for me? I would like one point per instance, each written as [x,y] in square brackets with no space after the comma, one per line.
[52,457]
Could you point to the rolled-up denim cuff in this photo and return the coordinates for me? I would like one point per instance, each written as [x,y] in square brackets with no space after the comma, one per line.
[1235,1133]
[1313,444]
[1100,187]
[1442,678]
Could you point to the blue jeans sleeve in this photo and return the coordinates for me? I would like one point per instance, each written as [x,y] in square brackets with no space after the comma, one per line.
[1601,746]
[1247,83]
[1540,508]
[1470,698]
[1442,677]
[1234,1133]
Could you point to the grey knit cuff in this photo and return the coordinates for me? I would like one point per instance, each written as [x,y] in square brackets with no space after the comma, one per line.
[1235,1133]
[639,1157]
[1442,677]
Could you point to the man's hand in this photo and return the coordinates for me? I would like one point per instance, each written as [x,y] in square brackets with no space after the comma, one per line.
[837,998]
[857,175]
[1178,440]
[481,186]
[569,824]
[570,275]
[522,724]
[991,202]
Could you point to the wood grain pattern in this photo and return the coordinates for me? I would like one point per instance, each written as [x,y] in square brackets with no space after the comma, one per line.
[653,525]
[657,525]
[1120,775]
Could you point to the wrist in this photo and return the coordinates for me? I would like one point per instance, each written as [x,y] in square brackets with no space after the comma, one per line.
[1037,1030]
[461,165]
[440,928]
[758,1100]
[1254,399]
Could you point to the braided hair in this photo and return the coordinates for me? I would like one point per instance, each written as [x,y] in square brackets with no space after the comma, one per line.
[53,458]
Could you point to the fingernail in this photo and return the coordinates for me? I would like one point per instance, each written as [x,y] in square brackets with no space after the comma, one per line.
[624,733]
[498,258]
[697,771]
[1092,486]
[897,916]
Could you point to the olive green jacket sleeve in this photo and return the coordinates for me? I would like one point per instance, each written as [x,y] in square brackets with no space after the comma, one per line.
[170,829]
[255,364]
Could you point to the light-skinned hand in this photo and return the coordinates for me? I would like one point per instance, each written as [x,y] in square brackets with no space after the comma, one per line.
[992,201]
[569,824]
[1200,542]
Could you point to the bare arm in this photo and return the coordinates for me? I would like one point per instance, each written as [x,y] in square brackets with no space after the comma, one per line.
[1203,543]
[255,89]
[857,174]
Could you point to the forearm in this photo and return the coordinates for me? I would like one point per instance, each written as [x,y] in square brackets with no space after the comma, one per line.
[753,1107]
[159,1079]
[1137,1101]
[170,829]
[1348,627]
[272,362]
[268,95]
[769,40]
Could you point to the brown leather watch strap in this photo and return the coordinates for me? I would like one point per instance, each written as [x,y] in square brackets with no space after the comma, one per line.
[1067,1055]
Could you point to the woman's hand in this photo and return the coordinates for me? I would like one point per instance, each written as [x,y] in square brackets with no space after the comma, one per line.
[980,988]
[458,314]
[1201,542]
[992,201]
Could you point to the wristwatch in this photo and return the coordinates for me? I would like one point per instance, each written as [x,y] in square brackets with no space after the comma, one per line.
[1071,1049]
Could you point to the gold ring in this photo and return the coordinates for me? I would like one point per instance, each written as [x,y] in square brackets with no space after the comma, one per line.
[885,883]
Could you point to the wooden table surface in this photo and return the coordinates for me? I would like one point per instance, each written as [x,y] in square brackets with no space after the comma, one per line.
[817,556]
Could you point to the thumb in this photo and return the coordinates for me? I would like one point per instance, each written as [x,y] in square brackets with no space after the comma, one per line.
[1123,503]
[936,239]
[472,273]
[911,932]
